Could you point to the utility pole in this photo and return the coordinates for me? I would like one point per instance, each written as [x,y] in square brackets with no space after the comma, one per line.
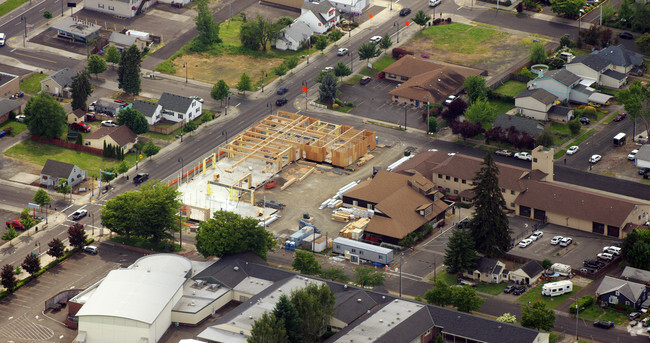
[180,226]
[400,274]
[180,159]
[351,63]
[185,73]
[405,110]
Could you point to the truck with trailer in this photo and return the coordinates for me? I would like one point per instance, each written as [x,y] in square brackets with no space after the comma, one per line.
[553,289]
[357,251]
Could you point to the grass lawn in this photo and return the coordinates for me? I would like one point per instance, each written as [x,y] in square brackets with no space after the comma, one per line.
[511,88]
[610,118]
[16,127]
[612,315]
[32,84]
[613,92]
[366,72]
[551,302]
[447,37]
[38,153]
[382,63]
[450,279]
[591,312]
[584,137]
[460,141]
[229,31]
[353,80]
[10,5]
[345,109]
[502,106]
[490,288]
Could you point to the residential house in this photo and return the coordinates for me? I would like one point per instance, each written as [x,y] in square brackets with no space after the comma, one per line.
[287,4]
[319,16]
[636,275]
[401,204]
[540,104]
[151,111]
[110,107]
[76,116]
[527,274]
[642,158]
[524,125]
[567,86]
[56,83]
[616,291]
[120,136]
[76,30]
[425,81]
[123,41]
[119,8]
[53,171]
[7,106]
[622,60]
[9,85]
[488,270]
[598,70]
[354,7]
[179,108]
[294,36]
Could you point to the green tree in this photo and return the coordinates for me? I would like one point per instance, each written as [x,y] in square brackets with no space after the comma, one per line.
[368,277]
[321,43]
[476,88]
[220,91]
[460,255]
[31,264]
[244,83]
[433,124]
[385,43]
[574,126]
[8,277]
[439,338]
[305,263]
[150,148]
[157,211]
[537,316]
[335,35]
[189,126]
[41,197]
[439,294]
[334,274]
[489,225]
[569,8]
[112,56]
[268,329]
[328,88]
[256,34]
[315,306]
[64,188]
[79,140]
[643,42]
[291,62]
[249,36]
[280,69]
[207,27]
[56,249]
[9,234]
[44,116]
[465,299]
[636,100]
[228,233]
[368,51]
[47,14]
[544,138]
[340,70]
[77,235]
[133,119]
[286,311]
[538,54]
[481,111]
[565,40]
[81,89]
[128,73]
[421,18]
[122,168]
[546,263]
[26,218]
[118,213]
[96,65]
[284,21]
[507,318]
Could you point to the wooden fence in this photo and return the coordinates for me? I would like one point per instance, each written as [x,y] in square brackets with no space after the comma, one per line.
[166,130]
[69,145]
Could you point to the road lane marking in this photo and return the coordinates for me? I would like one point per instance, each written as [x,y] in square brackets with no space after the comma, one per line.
[38,58]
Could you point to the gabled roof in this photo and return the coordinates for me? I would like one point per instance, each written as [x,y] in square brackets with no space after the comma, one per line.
[539,94]
[636,275]
[145,107]
[620,56]
[318,9]
[562,76]
[630,290]
[58,169]
[532,268]
[486,265]
[423,162]
[109,103]
[432,86]
[176,103]
[583,89]
[122,39]
[79,113]
[62,77]
[8,105]
[122,135]
[298,31]
[592,61]
[522,124]
[615,75]
[644,153]
[559,110]
[411,66]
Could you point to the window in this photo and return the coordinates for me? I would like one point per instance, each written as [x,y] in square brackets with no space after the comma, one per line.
[534,160]
[355,203]
[455,191]
[392,75]
[354,251]
[464,181]
[447,190]
[338,246]
[447,177]
[111,8]
[370,206]
[512,192]
[360,252]
[180,116]
[404,78]
[100,5]
[440,176]
[503,190]
[455,179]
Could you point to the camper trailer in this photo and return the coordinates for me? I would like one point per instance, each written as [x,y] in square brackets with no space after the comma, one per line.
[553,289]
[561,269]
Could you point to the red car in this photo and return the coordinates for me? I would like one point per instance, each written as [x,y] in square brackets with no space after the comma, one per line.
[16,224]
[81,126]
[620,116]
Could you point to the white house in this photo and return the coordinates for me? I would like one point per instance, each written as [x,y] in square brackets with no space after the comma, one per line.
[527,274]
[178,108]
[593,68]
[567,86]
[622,60]
[118,8]
[541,105]
[489,270]
[642,159]
[351,6]
[53,171]
[150,110]
[293,36]
[320,16]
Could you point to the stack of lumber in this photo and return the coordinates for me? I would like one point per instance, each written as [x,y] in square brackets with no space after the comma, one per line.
[354,229]
[341,216]
[365,158]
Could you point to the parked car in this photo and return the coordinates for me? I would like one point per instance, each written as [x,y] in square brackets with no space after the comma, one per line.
[282,90]
[509,289]
[626,35]
[504,153]
[620,116]
[536,235]
[78,214]
[634,315]
[342,52]
[585,120]
[3,38]
[20,118]
[140,178]
[566,241]
[16,224]
[109,123]
[72,136]
[645,322]
[572,150]
[524,156]
[632,155]
[604,324]
[525,242]
[461,224]
[80,126]
[450,99]
[404,12]
[588,270]
[605,256]
[612,250]
[281,101]
[328,69]
[365,80]
[644,171]
[594,264]
[375,39]
[556,240]
[519,290]
[90,249]
[633,323]
[595,158]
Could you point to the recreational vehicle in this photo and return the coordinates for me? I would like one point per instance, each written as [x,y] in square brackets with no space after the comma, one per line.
[553,289]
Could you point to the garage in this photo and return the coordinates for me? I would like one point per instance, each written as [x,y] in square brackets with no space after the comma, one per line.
[540,215]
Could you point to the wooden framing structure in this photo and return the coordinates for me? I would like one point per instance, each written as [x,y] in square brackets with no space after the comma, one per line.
[286,137]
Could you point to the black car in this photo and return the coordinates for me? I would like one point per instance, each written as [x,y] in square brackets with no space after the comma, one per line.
[593,264]
[509,289]
[281,102]
[585,121]
[282,90]
[604,324]
[519,290]
[140,178]
[404,12]
[626,35]
[644,171]
[461,224]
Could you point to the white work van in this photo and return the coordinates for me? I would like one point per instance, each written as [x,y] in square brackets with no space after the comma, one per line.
[553,289]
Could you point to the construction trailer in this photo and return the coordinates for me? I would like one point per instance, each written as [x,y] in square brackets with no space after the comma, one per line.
[356,251]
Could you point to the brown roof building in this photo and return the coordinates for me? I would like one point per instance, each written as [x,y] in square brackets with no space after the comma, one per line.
[401,203]
[120,136]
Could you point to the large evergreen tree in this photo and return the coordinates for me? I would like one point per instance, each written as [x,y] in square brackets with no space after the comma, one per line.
[128,74]
[490,224]
[81,89]
[460,255]
[268,329]
[133,119]
[327,89]
[285,310]
[207,27]
[44,116]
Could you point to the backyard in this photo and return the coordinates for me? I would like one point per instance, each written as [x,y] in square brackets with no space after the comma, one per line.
[32,84]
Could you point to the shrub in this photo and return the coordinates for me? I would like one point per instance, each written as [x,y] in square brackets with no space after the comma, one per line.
[448,20]
[583,303]
[335,106]
[396,52]
[508,2]
[520,7]
[349,104]
[546,263]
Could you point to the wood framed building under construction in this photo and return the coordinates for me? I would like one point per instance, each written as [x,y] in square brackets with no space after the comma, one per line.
[285,137]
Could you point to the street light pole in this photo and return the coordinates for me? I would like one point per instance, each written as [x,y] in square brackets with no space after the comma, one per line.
[92,224]
[180,159]
[185,72]
[577,309]
[180,227]
[401,257]
[351,63]
[426,97]
[405,110]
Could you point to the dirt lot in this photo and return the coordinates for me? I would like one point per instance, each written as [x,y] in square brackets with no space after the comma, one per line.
[616,164]
[208,68]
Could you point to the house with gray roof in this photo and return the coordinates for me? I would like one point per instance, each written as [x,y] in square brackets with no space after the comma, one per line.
[53,171]
[123,41]
[110,107]
[150,110]
[527,274]
[179,108]
[642,158]
[7,106]
[488,270]
[530,126]
[616,291]
[294,36]
[622,60]
[636,275]
[56,83]
[567,86]
[596,69]
[319,16]
[535,103]
[355,7]
[75,29]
